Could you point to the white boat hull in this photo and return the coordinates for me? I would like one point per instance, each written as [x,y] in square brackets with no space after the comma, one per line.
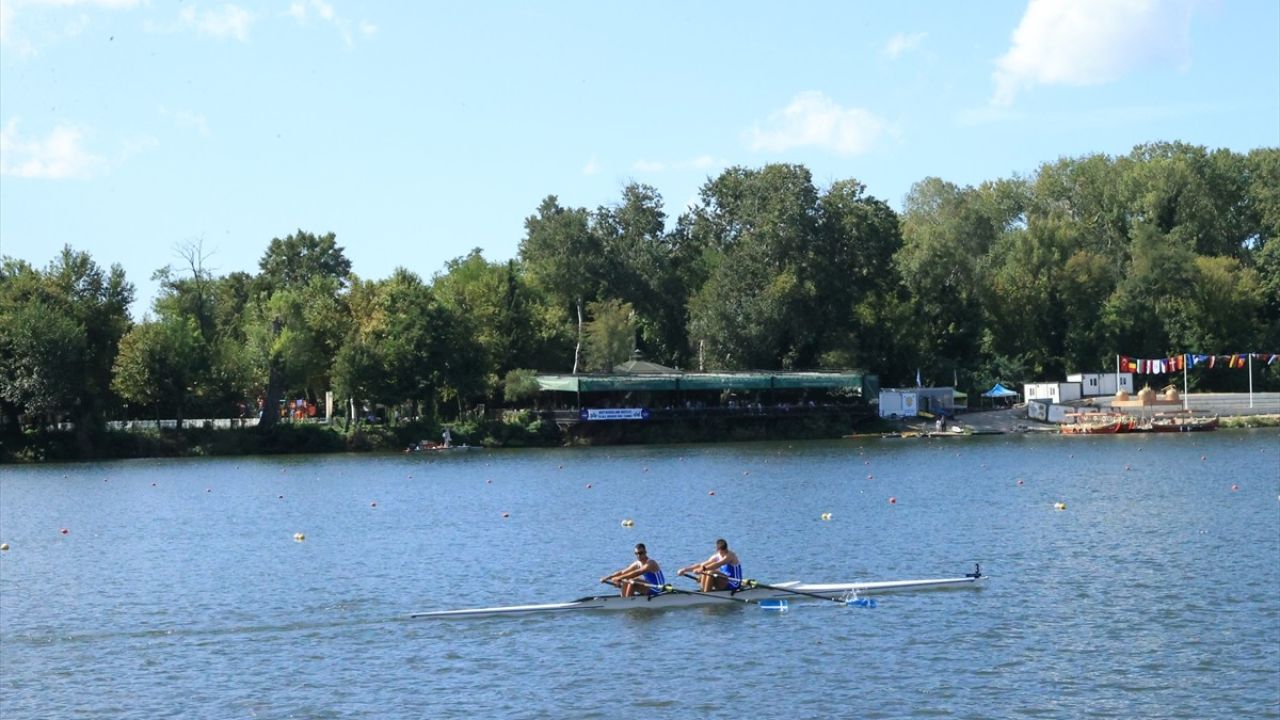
[793,590]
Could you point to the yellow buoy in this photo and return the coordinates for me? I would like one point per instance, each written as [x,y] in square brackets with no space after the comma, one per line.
[4,547]
[299,537]
[1059,506]
[826,516]
[628,523]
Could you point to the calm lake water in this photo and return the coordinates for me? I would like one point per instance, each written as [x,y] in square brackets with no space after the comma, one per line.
[178,589]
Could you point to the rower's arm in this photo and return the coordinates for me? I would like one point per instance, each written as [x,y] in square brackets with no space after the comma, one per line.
[623,574]
[710,563]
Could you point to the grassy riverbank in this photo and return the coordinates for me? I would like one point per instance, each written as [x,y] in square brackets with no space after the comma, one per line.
[519,431]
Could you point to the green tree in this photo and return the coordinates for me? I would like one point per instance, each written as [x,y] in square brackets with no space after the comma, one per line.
[299,316]
[610,335]
[947,234]
[494,306]
[41,346]
[757,307]
[563,258]
[157,363]
[644,267]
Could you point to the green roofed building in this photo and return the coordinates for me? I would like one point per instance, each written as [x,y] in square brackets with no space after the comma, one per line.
[640,390]
[847,384]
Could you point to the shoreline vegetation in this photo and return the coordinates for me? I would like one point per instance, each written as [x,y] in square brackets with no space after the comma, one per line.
[1171,246]
[291,439]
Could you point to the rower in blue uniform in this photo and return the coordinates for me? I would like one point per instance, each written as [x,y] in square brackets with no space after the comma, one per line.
[644,576]
[721,571]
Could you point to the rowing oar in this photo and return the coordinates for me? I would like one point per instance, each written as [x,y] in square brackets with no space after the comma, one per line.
[747,584]
[668,588]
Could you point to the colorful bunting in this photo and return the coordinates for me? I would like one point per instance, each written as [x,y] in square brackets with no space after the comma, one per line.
[1186,361]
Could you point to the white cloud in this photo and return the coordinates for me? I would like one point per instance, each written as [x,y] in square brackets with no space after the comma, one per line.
[59,155]
[592,167]
[228,21]
[304,10]
[11,35]
[651,166]
[186,119]
[903,42]
[815,120]
[1090,42]
[699,162]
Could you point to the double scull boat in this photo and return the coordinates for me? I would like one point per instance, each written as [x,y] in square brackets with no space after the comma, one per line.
[753,594]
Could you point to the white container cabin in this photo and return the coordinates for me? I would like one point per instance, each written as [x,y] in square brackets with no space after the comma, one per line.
[910,402]
[1099,384]
[1057,392]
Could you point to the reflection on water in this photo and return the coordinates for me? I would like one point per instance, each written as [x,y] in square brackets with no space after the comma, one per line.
[179,588]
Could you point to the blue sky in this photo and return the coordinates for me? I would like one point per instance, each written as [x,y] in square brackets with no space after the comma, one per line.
[418,131]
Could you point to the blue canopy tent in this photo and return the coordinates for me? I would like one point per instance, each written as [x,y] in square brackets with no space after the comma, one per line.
[1000,391]
[1000,394]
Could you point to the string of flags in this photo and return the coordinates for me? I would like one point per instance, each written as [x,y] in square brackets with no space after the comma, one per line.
[1186,361]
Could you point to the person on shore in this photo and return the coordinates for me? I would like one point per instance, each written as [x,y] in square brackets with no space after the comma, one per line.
[640,577]
[721,571]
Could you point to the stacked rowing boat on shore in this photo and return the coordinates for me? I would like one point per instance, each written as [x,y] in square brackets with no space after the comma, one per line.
[753,593]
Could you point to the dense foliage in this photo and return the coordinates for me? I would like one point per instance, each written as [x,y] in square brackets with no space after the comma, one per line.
[1172,248]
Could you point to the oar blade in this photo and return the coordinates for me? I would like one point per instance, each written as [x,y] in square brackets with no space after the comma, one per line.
[774,605]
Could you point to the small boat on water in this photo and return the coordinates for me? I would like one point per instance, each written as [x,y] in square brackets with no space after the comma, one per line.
[753,593]
[438,448]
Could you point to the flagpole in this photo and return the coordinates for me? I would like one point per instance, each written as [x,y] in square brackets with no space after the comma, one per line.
[1117,373]
[1185,406]
[1250,379]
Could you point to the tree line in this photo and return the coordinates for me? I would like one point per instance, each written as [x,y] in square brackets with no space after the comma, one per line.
[1171,248]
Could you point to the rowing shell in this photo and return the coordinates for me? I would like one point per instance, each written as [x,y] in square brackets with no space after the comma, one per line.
[792,590]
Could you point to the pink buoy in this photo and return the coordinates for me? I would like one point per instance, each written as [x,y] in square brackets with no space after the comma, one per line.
[893,501]
[588,486]
[711,492]
[64,531]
